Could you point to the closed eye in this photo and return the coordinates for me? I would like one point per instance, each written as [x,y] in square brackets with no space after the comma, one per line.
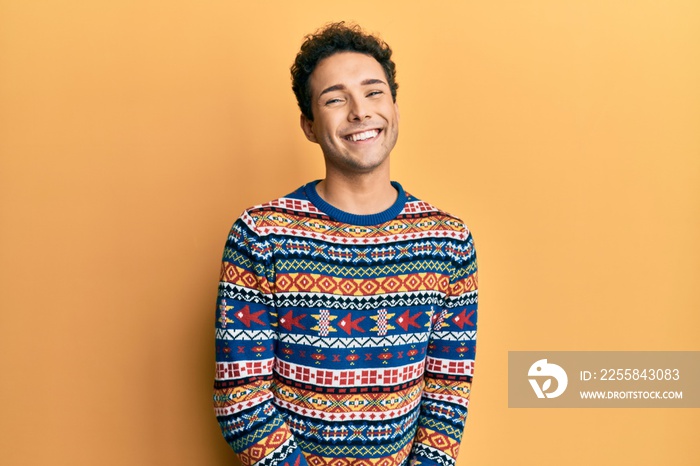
[373,93]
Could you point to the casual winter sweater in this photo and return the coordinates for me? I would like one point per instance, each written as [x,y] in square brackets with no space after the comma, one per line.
[342,339]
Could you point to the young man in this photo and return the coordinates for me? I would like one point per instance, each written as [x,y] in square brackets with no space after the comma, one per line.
[346,319]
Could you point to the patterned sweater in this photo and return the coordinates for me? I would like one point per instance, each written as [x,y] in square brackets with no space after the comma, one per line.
[345,340]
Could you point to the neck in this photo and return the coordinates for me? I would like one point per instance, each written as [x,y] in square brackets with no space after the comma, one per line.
[360,195]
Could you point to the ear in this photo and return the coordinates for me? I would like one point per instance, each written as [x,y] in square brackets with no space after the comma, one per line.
[307,126]
[398,114]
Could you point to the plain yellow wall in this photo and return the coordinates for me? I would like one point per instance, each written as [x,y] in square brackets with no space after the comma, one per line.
[133,133]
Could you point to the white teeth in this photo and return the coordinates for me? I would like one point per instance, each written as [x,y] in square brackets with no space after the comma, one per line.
[364,135]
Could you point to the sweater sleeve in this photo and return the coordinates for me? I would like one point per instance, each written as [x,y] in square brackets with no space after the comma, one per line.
[245,341]
[449,366]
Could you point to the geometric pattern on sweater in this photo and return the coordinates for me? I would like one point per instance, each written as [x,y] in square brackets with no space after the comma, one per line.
[318,283]
[354,342]
[438,441]
[431,455]
[350,377]
[223,334]
[397,459]
[352,272]
[345,340]
[232,292]
[368,433]
[327,415]
[286,454]
[252,392]
[345,450]
[448,428]
[343,403]
[363,254]
[406,228]
[263,432]
[455,336]
[273,446]
[456,392]
[308,281]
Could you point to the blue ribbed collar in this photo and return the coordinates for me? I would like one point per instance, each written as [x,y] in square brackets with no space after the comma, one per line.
[353,219]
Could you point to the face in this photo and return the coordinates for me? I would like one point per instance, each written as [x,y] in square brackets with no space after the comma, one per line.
[356,122]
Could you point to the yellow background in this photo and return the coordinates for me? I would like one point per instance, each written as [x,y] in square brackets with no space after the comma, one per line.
[133,133]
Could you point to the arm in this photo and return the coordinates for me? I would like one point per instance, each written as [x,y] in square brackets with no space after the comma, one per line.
[449,366]
[245,341]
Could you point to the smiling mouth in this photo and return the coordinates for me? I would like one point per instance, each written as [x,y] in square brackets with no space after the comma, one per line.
[363,136]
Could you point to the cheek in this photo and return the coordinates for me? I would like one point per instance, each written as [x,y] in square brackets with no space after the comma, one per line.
[329,130]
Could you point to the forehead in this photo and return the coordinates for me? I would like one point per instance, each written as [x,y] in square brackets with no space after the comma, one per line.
[345,68]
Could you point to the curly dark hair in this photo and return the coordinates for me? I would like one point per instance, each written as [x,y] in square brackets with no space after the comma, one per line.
[331,39]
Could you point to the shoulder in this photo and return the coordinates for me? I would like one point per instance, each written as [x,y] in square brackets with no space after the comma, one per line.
[269,217]
[436,219]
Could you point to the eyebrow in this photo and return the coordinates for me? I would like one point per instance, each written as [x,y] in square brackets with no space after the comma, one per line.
[340,87]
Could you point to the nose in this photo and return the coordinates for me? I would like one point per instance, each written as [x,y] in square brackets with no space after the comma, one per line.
[359,110]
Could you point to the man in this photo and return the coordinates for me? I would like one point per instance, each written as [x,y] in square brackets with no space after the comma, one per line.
[346,319]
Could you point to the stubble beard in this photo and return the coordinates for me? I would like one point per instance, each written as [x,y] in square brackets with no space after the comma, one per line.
[344,161]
